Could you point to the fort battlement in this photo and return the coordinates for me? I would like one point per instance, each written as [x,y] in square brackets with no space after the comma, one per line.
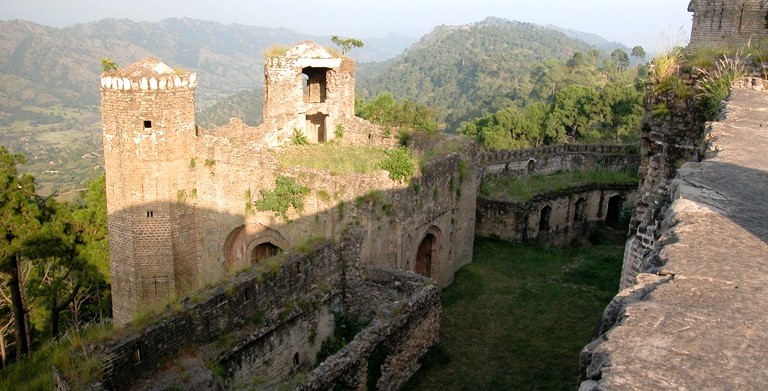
[148,74]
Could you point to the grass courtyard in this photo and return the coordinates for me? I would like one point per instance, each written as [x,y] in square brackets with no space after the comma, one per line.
[517,317]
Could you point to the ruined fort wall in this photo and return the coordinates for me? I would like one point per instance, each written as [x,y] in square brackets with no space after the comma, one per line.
[695,319]
[265,302]
[520,221]
[566,157]
[148,124]
[667,142]
[262,328]
[718,23]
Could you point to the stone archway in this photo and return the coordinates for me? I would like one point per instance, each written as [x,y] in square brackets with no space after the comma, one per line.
[544,216]
[250,244]
[263,251]
[580,210]
[424,256]
[428,253]
[615,204]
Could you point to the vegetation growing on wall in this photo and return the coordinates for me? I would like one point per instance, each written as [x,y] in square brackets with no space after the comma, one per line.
[399,163]
[510,188]
[287,194]
[333,158]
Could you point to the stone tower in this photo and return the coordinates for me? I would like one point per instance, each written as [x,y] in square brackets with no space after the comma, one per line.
[148,125]
[730,23]
[309,90]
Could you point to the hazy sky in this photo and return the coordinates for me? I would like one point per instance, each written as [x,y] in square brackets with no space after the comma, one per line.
[655,24]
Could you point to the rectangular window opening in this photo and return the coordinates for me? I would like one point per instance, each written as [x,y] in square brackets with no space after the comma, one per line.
[147,124]
[150,213]
[314,82]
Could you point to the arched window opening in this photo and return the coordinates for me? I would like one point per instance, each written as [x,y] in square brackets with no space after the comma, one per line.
[424,255]
[546,213]
[614,210]
[579,213]
[263,251]
[531,166]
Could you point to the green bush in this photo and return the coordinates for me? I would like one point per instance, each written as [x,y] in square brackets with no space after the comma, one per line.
[287,194]
[399,163]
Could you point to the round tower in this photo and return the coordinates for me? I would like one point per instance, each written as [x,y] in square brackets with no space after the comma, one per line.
[148,127]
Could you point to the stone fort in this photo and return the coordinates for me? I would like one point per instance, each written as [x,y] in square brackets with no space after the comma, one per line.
[727,22]
[181,217]
[690,317]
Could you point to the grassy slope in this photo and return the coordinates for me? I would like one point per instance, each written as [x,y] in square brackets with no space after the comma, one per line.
[517,317]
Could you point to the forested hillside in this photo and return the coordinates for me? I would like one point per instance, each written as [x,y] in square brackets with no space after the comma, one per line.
[466,71]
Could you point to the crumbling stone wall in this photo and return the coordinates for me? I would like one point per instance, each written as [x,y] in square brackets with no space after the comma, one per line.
[565,157]
[668,141]
[572,212]
[262,327]
[730,23]
[180,198]
[695,318]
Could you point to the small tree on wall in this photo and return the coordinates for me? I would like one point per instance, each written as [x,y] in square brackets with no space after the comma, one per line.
[346,44]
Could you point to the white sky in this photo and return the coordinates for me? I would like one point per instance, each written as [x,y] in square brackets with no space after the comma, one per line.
[655,24]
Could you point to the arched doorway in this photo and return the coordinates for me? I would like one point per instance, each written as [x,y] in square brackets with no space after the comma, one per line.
[424,255]
[427,254]
[614,210]
[263,251]
[545,214]
[579,212]
[531,166]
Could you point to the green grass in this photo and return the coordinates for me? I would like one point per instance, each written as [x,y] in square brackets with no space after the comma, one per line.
[525,188]
[334,158]
[517,317]
[69,354]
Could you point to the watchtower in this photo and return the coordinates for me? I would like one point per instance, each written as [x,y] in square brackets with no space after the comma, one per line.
[308,90]
[730,23]
[148,125]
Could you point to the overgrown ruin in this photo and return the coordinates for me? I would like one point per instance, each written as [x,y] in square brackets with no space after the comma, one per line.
[181,217]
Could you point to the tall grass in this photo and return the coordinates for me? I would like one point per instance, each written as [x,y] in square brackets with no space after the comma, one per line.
[334,158]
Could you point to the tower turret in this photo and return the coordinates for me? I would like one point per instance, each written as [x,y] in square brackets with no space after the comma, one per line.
[148,125]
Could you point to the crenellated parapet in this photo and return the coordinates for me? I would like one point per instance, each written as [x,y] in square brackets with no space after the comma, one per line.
[148,74]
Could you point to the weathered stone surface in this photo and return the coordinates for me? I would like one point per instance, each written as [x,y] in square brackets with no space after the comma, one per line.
[727,22]
[705,325]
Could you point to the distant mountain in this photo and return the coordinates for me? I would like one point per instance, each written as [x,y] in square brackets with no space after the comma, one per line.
[49,81]
[467,71]
[592,39]
[62,66]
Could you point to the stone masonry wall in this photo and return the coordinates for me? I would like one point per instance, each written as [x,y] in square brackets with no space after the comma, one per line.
[566,157]
[263,327]
[730,23]
[696,319]
[519,221]
[668,142]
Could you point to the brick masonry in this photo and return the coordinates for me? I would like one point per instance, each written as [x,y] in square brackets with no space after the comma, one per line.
[729,23]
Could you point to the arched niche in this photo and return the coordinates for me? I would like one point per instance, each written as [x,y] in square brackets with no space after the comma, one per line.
[250,244]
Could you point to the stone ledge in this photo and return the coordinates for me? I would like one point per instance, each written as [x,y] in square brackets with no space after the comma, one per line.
[704,325]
